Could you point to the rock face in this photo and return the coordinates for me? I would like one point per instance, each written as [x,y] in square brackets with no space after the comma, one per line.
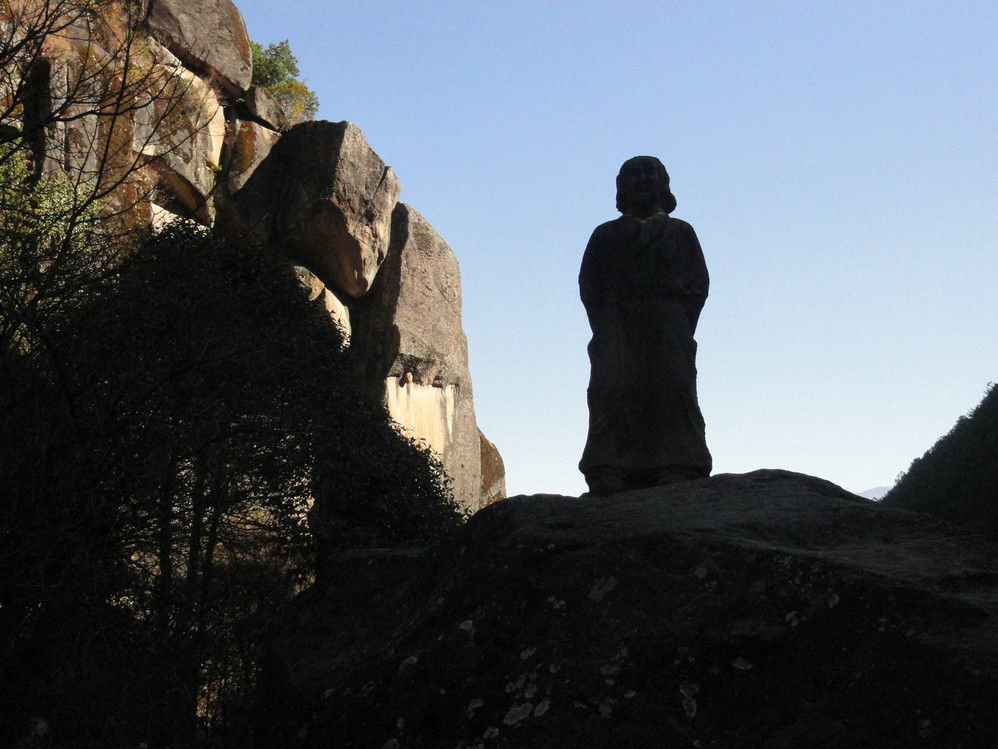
[181,131]
[493,472]
[410,343]
[209,36]
[188,136]
[326,198]
[770,609]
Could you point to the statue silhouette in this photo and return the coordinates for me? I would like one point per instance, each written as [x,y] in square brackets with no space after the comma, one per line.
[643,283]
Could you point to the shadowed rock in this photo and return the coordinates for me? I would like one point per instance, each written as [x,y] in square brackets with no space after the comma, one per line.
[767,609]
[247,145]
[412,349]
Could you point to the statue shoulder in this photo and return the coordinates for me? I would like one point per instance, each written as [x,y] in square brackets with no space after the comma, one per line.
[686,231]
[606,230]
[682,226]
[599,255]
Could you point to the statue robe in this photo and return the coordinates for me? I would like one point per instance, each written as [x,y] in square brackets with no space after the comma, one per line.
[643,284]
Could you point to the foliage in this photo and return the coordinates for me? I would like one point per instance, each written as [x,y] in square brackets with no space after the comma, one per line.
[202,402]
[957,478]
[179,440]
[83,93]
[53,248]
[276,69]
[274,64]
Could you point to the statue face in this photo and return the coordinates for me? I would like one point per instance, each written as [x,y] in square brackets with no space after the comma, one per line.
[639,179]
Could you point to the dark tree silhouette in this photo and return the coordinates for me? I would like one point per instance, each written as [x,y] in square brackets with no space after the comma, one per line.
[160,482]
[957,478]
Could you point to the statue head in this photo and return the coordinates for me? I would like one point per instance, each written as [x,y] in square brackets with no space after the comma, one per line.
[643,186]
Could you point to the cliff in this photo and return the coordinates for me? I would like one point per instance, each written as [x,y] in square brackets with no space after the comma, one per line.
[153,98]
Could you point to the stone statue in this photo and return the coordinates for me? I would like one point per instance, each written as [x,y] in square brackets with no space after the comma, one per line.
[643,283]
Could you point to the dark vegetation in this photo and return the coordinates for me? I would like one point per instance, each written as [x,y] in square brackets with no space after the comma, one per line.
[957,478]
[181,445]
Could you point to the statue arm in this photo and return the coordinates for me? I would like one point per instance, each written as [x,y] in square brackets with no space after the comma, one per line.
[698,280]
[591,274]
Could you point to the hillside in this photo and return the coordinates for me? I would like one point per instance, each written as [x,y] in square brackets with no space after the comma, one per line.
[957,478]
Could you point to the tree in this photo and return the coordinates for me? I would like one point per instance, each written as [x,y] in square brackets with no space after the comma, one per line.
[957,478]
[276,69]
[85,93]
[204,405]
[51,250]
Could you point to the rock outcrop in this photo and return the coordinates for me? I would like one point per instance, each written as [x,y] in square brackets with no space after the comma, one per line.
[769,609]
[392,285]
[326,198]
[156,95]
[209,36]
[410,345]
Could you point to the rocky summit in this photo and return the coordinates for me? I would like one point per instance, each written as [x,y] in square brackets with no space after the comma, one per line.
[769,609]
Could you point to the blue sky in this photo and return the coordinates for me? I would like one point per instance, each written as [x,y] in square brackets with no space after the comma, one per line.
[837,160]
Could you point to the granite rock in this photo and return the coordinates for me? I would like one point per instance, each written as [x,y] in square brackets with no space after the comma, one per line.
[411,347]
[324,197]
[767,609]
[209,36]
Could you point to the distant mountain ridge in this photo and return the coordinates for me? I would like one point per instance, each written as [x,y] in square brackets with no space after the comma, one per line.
[876,492]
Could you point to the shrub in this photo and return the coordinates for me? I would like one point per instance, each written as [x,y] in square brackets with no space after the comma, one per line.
[276,69]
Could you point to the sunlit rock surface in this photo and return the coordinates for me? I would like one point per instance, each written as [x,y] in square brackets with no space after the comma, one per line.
[324,197]
[209,35]
[426,411]
[412,349]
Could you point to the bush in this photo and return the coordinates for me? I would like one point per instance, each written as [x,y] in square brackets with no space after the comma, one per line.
[276,69]
[159,482]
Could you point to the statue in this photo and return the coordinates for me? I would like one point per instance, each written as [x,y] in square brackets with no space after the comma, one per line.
[643,283]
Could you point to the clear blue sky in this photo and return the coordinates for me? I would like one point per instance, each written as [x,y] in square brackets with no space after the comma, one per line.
[837,160]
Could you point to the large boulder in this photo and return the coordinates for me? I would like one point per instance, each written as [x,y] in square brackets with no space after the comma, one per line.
[769,609]
[209,36]
[493,473]
[179,128]
[247,145]
[325,198]
[412,348]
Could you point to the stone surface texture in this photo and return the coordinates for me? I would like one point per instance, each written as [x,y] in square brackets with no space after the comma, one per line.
[326,198]
[493,472]
[248,144]
[768,609]
[263,108]
[181,131]
[410,344]
[209,36]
